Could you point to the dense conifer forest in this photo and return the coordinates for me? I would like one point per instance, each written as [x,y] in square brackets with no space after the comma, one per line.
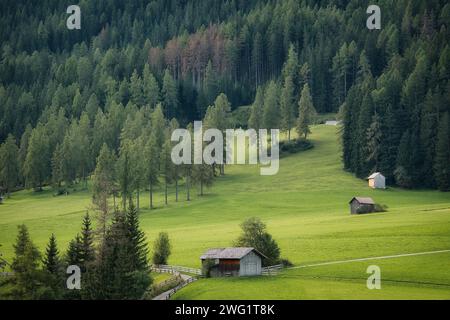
[73,99]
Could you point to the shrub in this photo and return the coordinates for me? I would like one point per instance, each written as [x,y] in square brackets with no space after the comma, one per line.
[161,249]
[207,266]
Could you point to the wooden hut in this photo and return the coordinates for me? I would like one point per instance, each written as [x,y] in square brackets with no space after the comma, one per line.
[377,181]
[235,262]
[360,205]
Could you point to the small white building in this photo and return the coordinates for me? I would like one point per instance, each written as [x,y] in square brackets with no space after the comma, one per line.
[377,181]
[332,123]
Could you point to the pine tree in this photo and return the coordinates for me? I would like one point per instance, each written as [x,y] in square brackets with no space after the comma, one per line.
[25,266]
[169,94]
[151,156]
[37,162]
[210,85]
[137,241]
[291,67]
[52,263]
[87,250]
[271,111]
[403,169]
[9,165]
[74,254]
[442,160]
[124,172]
[374,137]
[306,113]
[287,106]
[255,120]
[150,88]
[136,89]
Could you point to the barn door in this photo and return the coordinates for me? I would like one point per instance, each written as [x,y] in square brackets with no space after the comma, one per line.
[250,268]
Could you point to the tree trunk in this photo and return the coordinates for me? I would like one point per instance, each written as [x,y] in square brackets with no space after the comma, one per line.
[289,135]
[176,190]
[201,188]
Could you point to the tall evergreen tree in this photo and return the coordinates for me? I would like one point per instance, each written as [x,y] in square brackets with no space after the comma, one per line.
[9,165]
[442,161]
[287,106]
[271,111]
[169,94]
[306,113]
[256,112]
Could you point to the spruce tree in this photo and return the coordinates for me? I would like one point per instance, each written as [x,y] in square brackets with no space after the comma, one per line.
[271,111]
[87,243]
[442,161]
[9,165]
[27,276]
[52,263]
[255,120]
[137,241]
[306,113]
[287,106]
[169,94]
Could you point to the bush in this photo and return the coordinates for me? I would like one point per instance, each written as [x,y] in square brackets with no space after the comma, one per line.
[161,249]
[207,265]
[294,146]
[380,207]
[286,263]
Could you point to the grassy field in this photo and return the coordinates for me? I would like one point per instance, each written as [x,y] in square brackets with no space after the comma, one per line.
[305,208]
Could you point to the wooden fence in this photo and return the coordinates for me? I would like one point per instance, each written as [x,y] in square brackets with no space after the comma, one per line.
[184,284]
[272,270]
[175,269]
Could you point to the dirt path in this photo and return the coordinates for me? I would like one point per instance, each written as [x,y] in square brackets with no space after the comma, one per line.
[370,258]
[166,295]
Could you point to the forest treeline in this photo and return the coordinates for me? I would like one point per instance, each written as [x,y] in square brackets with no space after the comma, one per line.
[391,86]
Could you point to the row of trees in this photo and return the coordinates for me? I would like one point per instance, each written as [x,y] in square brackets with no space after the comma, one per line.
[113,264]
[126,150]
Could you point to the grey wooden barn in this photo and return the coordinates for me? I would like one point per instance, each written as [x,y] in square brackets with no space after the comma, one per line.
[361,205]
[235,262]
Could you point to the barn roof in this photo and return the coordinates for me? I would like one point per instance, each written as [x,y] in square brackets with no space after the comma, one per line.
[229,253]
[363,200]
[374,175]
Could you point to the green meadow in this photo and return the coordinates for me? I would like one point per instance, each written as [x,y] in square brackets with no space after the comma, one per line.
[305,207]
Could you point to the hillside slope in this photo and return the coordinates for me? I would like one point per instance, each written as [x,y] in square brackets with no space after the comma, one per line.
[305,207]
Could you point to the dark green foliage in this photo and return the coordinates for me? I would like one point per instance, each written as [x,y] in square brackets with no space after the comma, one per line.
[87,243]
[138,250]
[27,276]
[254,235]
[53,268]
[141,54]
[121,270]
[52,263]
[442,162]
[9,166]
[161,249]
